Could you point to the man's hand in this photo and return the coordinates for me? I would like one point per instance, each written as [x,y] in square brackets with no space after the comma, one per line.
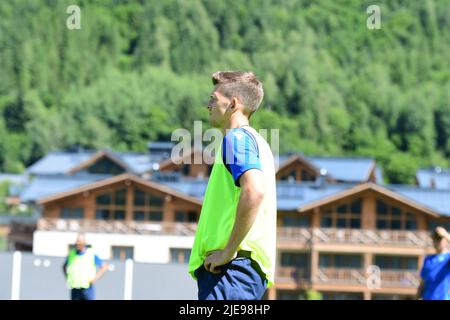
[217,258]
[100,273]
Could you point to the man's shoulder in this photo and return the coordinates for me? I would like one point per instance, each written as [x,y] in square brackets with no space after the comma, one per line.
[238,133]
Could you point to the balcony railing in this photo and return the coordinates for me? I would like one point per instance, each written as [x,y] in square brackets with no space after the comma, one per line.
[355,236]
[349,276]
[400,278]
[340,276]
[292,275]
[124,227]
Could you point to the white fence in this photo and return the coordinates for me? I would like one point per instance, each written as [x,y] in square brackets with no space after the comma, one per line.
[24,276]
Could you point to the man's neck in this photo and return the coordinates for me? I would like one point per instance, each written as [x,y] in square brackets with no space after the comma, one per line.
[237,121]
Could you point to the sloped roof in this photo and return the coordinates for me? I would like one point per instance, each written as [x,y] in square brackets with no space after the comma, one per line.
[379,175]
[43,186]
[437,178]
[293,196]
[437,200]
[115,179]
[187,158]
[61,162]
[350,169]
[389,192]
[347,169]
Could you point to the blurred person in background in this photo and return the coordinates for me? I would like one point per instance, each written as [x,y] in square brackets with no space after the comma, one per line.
[435,273]
[82,269]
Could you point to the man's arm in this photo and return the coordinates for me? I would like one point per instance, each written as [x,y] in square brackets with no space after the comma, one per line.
[251,196]
[65,268]
[100,272]
[103,267]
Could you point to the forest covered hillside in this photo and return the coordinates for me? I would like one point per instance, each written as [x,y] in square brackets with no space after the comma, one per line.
[136,70]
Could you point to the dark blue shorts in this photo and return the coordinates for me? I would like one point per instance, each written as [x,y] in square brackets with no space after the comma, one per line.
[237,280]
[83,294]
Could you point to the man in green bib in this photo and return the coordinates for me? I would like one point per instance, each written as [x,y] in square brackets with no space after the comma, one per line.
[82,269]
[233,256]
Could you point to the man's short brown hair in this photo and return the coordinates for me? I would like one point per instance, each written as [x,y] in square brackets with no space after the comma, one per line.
[243,85]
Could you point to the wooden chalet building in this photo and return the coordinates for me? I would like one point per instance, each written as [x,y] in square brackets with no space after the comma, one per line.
[336,219]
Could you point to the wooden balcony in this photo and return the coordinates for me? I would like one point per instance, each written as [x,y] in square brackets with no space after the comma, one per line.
[399,278]
[348,277]
[305,236]
[114,226]
[341,276]
[292,275]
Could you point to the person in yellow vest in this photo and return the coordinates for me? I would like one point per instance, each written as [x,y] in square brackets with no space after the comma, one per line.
[233,255]
[82,269]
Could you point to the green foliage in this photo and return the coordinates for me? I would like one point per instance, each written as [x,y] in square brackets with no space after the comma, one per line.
[3,243]
[3,195]
[138,69]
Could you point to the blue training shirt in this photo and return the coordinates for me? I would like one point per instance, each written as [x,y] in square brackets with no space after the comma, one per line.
[240,153]
[436,276]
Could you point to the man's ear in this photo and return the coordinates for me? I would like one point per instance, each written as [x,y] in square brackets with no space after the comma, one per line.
[234,103]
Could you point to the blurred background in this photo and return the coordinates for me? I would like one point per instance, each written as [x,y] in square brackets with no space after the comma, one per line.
[86,117]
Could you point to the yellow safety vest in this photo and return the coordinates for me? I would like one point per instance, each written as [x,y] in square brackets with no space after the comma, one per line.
[81,269]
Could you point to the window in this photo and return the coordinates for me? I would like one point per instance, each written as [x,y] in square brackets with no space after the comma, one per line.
[186,169]
[306,176]
[347,215]
[342,296]
[122,253]
[411,223]
[104,199]
[102,214]
[147,206]
[142,198]
[120,197]
[105,165]
[432,224]
[290,176]
[111,205]
[119,215]
[291,295]
[155,216]
[295,259]
[328,260]
[139,198]
[139,216]
[72,213]
[396,262]
[179,255]
[394,218]
[295,221]
[181,216]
